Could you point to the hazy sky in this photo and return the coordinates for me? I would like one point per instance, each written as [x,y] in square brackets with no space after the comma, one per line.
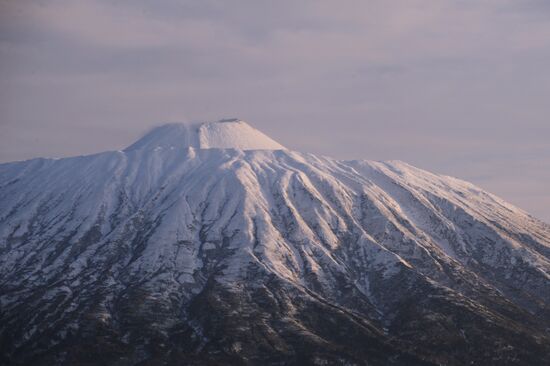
[455,87]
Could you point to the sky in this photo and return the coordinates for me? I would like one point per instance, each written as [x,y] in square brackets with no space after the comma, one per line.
[455,87]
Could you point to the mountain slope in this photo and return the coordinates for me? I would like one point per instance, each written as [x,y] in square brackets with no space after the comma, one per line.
[221,246]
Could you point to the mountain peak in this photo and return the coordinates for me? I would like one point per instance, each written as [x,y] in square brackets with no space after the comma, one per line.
[229,133]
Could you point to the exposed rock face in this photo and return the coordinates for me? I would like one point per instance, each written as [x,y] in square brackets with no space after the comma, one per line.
[233,250]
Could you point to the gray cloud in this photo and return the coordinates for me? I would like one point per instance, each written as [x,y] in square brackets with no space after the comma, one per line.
[457,87]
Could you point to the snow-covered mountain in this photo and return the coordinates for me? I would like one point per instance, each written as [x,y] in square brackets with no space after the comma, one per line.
[213,244]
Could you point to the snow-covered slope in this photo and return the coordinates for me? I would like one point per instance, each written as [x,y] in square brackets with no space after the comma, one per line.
[214,243]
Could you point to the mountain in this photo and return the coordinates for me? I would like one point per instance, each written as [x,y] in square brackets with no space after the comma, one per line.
[212,244]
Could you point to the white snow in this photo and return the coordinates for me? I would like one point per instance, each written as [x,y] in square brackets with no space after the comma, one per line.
[183,193]
[230,134]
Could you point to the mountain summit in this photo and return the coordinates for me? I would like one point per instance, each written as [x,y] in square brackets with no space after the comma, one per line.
[224,134]
[212,244]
